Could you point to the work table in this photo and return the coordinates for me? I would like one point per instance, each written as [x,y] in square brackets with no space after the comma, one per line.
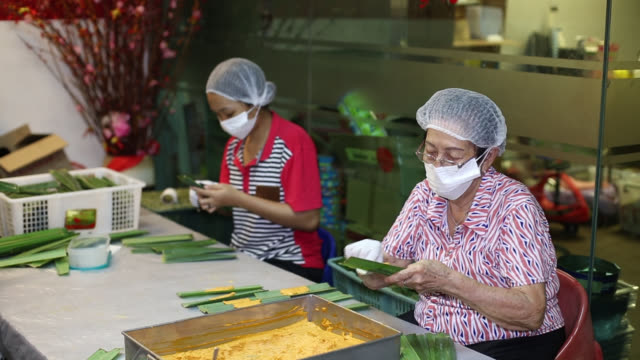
[46,316]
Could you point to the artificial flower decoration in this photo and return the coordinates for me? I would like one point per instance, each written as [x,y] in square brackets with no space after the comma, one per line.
[118,60]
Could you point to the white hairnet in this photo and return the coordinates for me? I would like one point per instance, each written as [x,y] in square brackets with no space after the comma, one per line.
[465,115]
[241,80]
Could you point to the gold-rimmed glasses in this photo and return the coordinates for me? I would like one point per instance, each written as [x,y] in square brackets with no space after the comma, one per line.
[429,158]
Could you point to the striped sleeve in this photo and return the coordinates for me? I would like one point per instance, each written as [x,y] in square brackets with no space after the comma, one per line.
[526,248]
[224,164]
[407,231]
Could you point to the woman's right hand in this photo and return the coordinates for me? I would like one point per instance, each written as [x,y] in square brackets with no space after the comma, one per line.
[195,199]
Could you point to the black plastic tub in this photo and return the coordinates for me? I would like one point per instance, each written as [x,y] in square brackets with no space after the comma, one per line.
[605,273]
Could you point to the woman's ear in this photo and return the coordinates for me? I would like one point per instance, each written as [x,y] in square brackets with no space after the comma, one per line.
[252,110]
[489,159]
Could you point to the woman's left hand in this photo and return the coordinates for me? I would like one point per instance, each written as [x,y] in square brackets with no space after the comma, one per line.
[424,276]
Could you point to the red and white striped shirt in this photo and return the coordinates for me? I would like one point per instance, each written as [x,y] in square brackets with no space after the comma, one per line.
[288,164]
[504,242]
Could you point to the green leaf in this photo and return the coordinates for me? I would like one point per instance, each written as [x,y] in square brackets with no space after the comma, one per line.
[194,258]
[416,345]
[37,264]
[102,354]
[205,292]
[155,245]
[6,187]
[54,245]
[406,350]
[315,289]
[97,355]
[184,244]
[193,251]
[117,236]
[18,243]
[188,180]
[335,296]
[108,181]
[372,266]
[429,339]
[68,182]
[143,250]
[47,255]
[220,298]
[157,239]
[445,347]
[215,308]
[86,183]
[320,287]
[274,299]
[49,187]
[269,294]
[62,266]
[357,306]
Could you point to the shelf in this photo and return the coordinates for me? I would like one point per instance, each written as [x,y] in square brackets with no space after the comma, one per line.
[482,43]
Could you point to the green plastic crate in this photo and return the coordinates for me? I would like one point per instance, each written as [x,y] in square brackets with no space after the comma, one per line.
[384,299]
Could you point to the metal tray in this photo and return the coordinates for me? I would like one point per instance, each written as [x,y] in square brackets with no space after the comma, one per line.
[151,343]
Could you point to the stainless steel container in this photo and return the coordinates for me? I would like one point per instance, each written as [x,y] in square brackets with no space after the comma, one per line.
[150,343]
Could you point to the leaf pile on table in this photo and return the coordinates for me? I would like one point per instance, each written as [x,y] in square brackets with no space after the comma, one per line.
[62,182]
[36,249]
[427,346]
[178,248]
[229,297]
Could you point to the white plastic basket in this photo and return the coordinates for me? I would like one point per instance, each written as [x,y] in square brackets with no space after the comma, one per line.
[117,207]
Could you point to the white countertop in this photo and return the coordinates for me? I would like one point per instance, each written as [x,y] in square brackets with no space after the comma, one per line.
[46,316]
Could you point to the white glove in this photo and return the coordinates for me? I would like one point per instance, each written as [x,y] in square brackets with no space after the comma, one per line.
[366,249]
[193,197]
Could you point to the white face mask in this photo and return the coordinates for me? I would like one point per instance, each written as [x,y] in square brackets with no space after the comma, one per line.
[450,182]
[240,125]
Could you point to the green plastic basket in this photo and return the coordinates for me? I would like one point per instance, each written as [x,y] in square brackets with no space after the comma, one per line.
[384,299]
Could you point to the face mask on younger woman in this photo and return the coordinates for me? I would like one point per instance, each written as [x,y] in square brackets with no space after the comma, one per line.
[240,125]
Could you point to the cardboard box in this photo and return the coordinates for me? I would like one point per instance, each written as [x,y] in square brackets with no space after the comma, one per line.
[24,153]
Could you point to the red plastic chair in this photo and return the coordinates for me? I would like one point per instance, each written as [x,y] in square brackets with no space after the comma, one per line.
[574,304]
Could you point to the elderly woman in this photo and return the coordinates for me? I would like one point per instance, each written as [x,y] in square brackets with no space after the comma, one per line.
[269,173]
[474,243]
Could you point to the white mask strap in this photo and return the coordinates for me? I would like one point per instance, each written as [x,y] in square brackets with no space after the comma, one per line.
[483,157]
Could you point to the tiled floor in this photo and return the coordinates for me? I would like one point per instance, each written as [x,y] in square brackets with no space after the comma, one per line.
[614,245]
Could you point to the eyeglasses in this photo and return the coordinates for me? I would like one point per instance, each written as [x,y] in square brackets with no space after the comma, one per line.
[428,158]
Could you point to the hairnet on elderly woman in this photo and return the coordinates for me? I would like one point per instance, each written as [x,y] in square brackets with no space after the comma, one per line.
[465,115]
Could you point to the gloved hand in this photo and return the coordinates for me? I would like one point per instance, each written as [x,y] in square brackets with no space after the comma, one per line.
[193,197]
[366,249]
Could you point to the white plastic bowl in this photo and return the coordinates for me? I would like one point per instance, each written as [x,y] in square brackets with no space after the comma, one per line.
[89,252]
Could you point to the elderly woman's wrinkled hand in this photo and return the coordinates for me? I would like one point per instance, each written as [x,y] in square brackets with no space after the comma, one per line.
[374,281]
[425,276]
